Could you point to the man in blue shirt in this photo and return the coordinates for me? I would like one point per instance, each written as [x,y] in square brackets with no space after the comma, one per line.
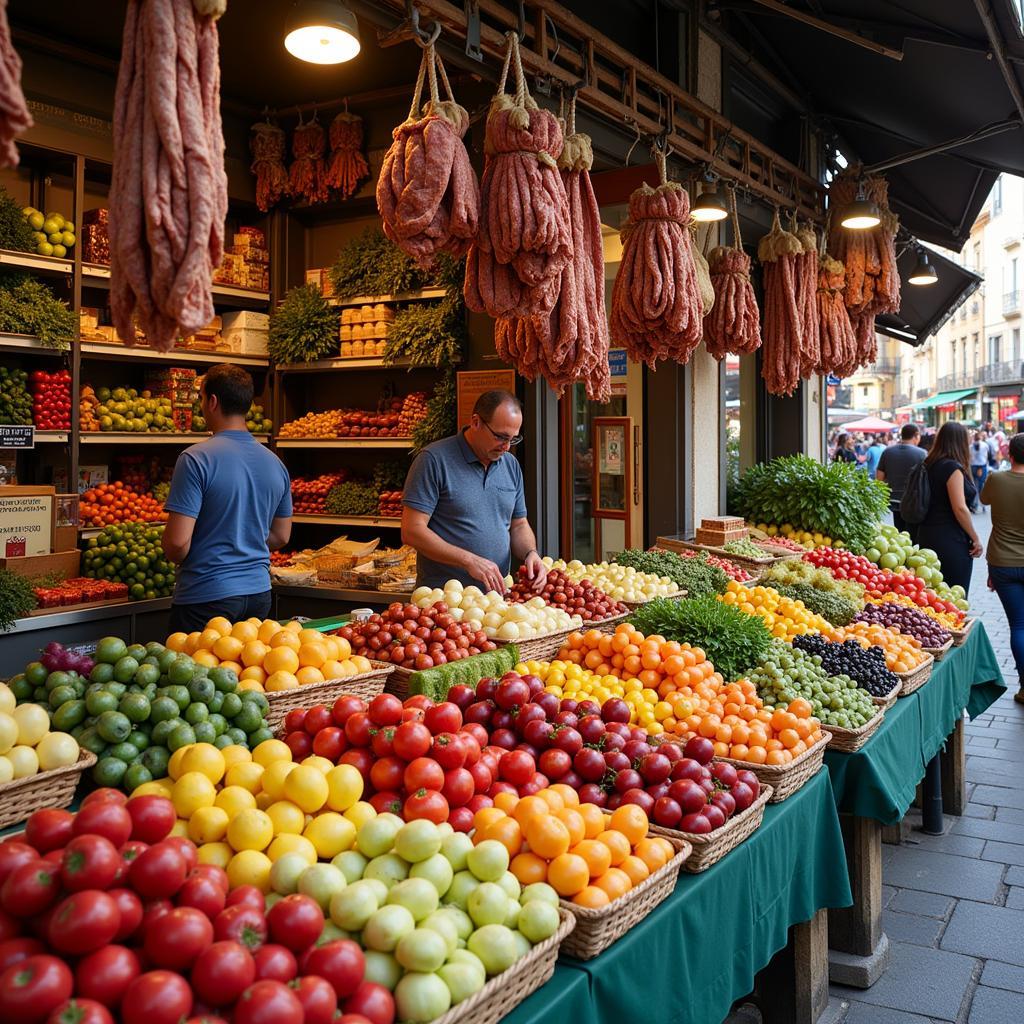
[465,510]
[873,454]
[230,505]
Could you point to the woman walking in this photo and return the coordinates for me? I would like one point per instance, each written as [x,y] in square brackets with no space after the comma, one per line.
[981,455]
[1005,493]
[947,527]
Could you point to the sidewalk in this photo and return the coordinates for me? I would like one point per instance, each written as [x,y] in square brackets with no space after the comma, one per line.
[955,903]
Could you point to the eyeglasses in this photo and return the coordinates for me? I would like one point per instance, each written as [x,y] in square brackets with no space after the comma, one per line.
[503,438]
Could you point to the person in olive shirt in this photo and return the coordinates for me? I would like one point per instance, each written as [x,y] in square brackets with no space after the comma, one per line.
[1005,493]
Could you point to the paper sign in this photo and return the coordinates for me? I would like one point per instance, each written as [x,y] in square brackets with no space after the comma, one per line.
[17,437]
[473,383]
[613,442]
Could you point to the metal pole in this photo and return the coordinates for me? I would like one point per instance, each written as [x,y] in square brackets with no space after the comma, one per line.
[931,803]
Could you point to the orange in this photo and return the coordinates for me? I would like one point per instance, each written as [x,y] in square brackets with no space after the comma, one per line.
[284,638]
[631,821]
[312,655]
[592,897]
[507,831]
[281,659]
[614,882]
[666,847]
[573,821]
[597,856]
[485,816]
[568,874]
[569,795]
[253,653]
[593,819]
[548,837]
[529,868]
[528,808]
[651,853]
[553,800]
[618,844]
[507,802]
[308,676]
[280,681]
[635,868]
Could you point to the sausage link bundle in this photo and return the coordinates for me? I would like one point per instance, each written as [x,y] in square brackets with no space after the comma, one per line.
[807,268]
[838,342]
[267,145]
[168,194]
[15,119]
[427,192]
[307,176]
[657,309]
[778,252]
[348,166]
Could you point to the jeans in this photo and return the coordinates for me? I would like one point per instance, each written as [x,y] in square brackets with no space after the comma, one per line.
[1009,585]
[188,618]
[980,475]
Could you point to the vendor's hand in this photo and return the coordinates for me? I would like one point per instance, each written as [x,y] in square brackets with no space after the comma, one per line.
[536,570]
[976,549]
[484,570]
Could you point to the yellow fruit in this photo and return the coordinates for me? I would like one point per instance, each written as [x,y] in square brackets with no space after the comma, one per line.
[307,787]
[56,750]
[278,681]
[267,629]
[288,842]
[308,676]
[310,636]
[208,825]
[253,653]
[250,684]
[234,799]
[344,788]
[250,829]
[312,655]
[174,764]
[207,658]
[331,643]
[8,732]
[235,754]
[254,673]
[263,800]
[330,833]
[281,659]
[218,854]
[360,812]
[361,664]
[286,817]
[205,758]
[158,787]
[245,631]
[228,648]
[274,776]
[245,774]
[284,638]
[176,642]
[234,666]
[249,867]
[294,627]
[6,769]
[270,751]
[333,669]
[321,764]
[344,648]
[33,724]
[192,643]
[192,791]
[24,761]
[221,625]
[8,701]
[180,828]
[207,639]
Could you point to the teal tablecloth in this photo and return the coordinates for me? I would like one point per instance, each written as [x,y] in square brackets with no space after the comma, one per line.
[879,780]
[698,952]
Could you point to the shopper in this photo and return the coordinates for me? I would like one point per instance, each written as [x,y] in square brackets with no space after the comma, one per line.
[1005,493]
[465,508]
[947,527]
[894,467]
[230,505]
[844,449]
[873,454]
[980,456]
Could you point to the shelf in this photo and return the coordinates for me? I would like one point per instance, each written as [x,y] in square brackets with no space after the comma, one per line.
[98,276]
[386,522]
[343,442]
[26,342]
[372,300]
[140,437]
[52,436]
[96,271]
[126,353]
[30,261]
[336,365]
[60,617]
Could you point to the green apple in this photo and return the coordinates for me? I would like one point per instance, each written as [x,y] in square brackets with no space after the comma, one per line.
[353,906]
[421,950]
[436,870]
[443,922]
[285,873]
[57,219]
[36,220]
[459,891]
[496,947]
[538,920]
[417,895]
[462,979]
[388,868]
[420,998]
[488,904]
[417,841]
[377,836]
[44,249]
[68,238]
[455,848]
[321,882]
[382,968]
[59,250]
[54,237]
[540,891]
[386,928]
[488,860]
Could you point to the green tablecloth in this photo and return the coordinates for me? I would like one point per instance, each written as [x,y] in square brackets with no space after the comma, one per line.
[698,952]
[879,780]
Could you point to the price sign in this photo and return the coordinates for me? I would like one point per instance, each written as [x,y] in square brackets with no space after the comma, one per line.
[17,437]
[473,383]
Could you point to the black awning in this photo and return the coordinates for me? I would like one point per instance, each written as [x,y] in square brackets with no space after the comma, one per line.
[1003,391]
[948,85]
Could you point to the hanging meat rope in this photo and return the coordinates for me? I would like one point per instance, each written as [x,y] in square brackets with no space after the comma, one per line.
[267,144]
[703,271]
[783,328]
[657,310]
[427,192]
[570,344]
[307,176]
[838,342]
[15,119]
[348,166]
[515,264]
[734,323]
[168,194]
[807,299]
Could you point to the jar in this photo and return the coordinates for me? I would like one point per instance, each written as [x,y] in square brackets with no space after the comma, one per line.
[366,313]
[381,328]
[358,348]
[360,614]
[345,332]
[346,349]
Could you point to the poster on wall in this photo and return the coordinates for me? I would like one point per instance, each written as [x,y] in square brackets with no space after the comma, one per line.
[613,442]
[471,384]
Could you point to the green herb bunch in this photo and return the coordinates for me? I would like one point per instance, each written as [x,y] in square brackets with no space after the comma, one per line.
[428,333]
[793,572]
[834,607]
[16,598]
[695,575]
[15,401]
[441,414]
[834,499]
[390,476]
[733,641]
[15,232]
[304,327]
[352,499]
[372,264]
[27,306]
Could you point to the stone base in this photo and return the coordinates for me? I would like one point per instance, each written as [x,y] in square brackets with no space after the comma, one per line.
[859,971]
[834,1013]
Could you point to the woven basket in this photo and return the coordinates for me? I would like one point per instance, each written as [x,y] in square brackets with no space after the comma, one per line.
[598,927]
[676,595]
[890,698]
[397,682]
[747,562]
[56,788]
[507,990]
[938,653]
[366,685]
[849,740]
[916,678]
[711,847]
[786,779]
[960,635]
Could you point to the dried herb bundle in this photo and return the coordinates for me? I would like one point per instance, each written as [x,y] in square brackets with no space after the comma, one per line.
[304,327]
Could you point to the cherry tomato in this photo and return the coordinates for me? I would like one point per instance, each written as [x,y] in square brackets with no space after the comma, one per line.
[106,974]
[317,717]
[156,997]
[373,1001]
[267,1002]
[423,773]
[211,871]
[89,862]
[223,973]
[387,774]
[31,989]
[412,740]
[246,895]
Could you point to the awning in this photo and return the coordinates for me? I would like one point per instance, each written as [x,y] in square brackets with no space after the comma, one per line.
[945,398]
[1003,391]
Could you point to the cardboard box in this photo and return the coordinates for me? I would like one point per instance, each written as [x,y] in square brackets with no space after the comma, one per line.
[245,318]
[66,563]
[27,521]
[248,341]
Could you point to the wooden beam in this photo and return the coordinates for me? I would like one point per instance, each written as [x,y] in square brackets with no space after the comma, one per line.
[833,30]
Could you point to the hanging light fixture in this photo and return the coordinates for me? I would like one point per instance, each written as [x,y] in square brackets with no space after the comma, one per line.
[923,273]
[710,206]
[862,213]
[322,32]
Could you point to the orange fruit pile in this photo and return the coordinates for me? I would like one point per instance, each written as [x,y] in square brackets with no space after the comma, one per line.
[902,652]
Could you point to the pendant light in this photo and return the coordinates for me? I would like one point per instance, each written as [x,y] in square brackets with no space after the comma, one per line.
[710,206]
[923,273]
[322,32]
[862,213]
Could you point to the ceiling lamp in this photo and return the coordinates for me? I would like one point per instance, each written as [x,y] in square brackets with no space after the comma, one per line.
[924,272]
[322,32]
[862,213]
[710,206]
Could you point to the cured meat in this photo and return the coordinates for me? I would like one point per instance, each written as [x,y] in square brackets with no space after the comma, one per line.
[168,195]
[307,176]
[700,265]
[427,192]
[838,342]
[267,145]
[14,116]
[657,310]
[348,166]
[525,238]
[807,269]
[781,363]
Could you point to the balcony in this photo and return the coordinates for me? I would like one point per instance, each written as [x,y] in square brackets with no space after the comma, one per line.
[955,382]
[901,400]
[1011,303]
[1000,373]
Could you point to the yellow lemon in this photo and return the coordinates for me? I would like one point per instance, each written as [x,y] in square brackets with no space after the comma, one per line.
[176,642]
[333,669]
[180,828]
[330,833]
[344,648]
[192,791]
[331,643]
[219,624]
[6,769]
[205,758]
[263,800]
[207,639]
[235,753]
[245,774]
[234,799]
[8,702]
[245,631]
[218,854]
[174,764]
[284,638]
[56,750]
[307,676]
[250,829]
[307,787]
[158,787]
[234,666]
[249,867]
[360,813]
[254,673]
[267,629]
[312,655]
[8,732]
[253,653]
[321,764]
[274,776]
[33,724]
[281,659]
[289,842]
[208,825]
[278,681]
[269,751]
[286,817]
[294,627]
[361,664]
[310,636]
[24,761]
[207,658]
[249,684]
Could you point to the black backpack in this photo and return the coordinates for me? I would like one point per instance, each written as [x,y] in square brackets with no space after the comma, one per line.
[917,495]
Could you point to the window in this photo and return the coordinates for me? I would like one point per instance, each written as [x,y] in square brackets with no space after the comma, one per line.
[976,347]
[977,256]
[1015,355]
[995,344]
[997,197]
[864,390]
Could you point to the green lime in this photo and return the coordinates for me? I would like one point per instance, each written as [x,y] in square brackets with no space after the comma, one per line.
[61,695]
[257,698]
[181,736]
[92,741]
[147,674]
[256,738]
[150,659]
[180,672]
[204,732]
[111,649]
[136,775]
[69,716]
[154,647]
[123,752]
[196,713]
[231,705]
[180,696]
[40,695]
[102,672]
[162,730]
[55,679]
[125,669]
[222,741]
[135,707]
[249,718]
[109,771]
[216,702]
[165,659]
[237,736]
[113,726]
[201,689]
[98,701]
[139,740]
[21,688]
[36,673]
[224,679]
[219,723]
[155,759]
[137,651]
[162,709]
[149,691]
[117,689]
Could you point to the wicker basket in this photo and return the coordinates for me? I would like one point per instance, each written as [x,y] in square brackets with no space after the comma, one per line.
[598,927]
[56,788]
[960,635]
[890,698]
[916,678]
[711,847]
[849,740]
[507,990]
[938,653]
[676,595]
[397,682]
[366,685]
[786,779]
[747,562]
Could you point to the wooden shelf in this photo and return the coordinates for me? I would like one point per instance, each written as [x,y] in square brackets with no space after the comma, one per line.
[154,437]
[52,436]
[127,353]
[226,294]
[28,343]
[372,300]
[385,522]
[343,442]
[30,261]
[340,365]
[96,271]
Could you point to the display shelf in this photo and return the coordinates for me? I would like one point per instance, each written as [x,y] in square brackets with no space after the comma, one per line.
[387,522]
[52,436]
[343,442]
[125,353]
[228,295]
[96,272]
[38,264]
[340,364]
[59,617]
[372,300]
[18,343]
[140,437]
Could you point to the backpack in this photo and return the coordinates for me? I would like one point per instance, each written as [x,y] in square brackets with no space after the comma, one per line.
[917,495]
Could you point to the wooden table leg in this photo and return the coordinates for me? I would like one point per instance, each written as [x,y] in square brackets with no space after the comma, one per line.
[954,771]
[859,949]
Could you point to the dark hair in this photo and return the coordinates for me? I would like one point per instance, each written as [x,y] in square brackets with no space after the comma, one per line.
[486,405]
[951,442]
[840,444]
[1017,448]
[908,431]
[232,387]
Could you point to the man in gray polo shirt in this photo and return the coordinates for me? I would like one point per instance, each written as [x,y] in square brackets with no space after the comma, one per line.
[894,467]
[464,506]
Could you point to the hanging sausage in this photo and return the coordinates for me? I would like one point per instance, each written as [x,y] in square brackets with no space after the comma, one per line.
[807,272]
[267,145]
[15,119]
[838,342]
[781,361]
[348,166]
[307,176]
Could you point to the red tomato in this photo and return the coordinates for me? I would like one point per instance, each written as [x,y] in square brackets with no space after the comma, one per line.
[159,871]
[443,717]
[203,893]
[104,795]
[346,706]
[317,717]
[49,829]
[387,801]
[223,973]
[83,922]
[517,767]
[128,853]
[218,875]
[267,1002]
[186,848]
[360,759]
[423,773]
[373,1001]
[156,997]
[10,926]
[89,862]
[340,961]
[294,719]
[13,854]
[330,742]
[482,776]
[387,774]
[31,989]
[31,889]
[153,817]
[358,729]
[106,974]
[153,911]
[412,740]
[80,1011]
[184,934]
[14,950]
[458,787]
[296,922]
[319,1002]
[243,924]
[247,895]
[275,962]
[300,743]
[449,750]
[104,818]
[479,734]
[385,709]
[383,742]
[426,803]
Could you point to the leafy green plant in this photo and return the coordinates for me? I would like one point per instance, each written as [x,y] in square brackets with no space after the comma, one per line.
[441,412]
[371,264]
[27,306]
[16,598]
[15,232]
[352,499]
[733,641]
[428,333]
[834,499]
[304,327]
[390,476]
[695,575]
[836,608]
